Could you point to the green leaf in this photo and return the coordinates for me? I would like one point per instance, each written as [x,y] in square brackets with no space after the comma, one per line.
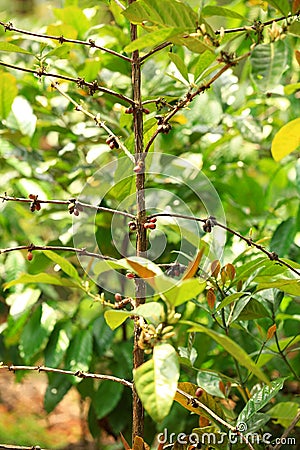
[220,11]
[286,140]
[169,13]
[63,263]
[22,301]
[12,48]
[8,92]
[282,5]
[253,310]
[268,62]
[178,292]
[151,311]
[58,386]
[37,330]
[106,398]
[42,277]
[152,39]
[58,343]
[210,382]
[284,234]
[80,352]
[232,348]
[179,63]
[203,62]
[284,413]
[21,117]
[64,30]
[231,299]
[291,287]
[259,400]
[73,16]
[115,318]
[156,381]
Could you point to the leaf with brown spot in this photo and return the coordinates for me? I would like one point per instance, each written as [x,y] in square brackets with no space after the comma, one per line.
[271,331]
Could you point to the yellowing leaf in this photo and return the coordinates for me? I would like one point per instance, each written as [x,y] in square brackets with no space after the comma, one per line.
[271,331]
[286,140]
[193,266]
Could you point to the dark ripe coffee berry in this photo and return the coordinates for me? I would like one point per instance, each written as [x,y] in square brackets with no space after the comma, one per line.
[153,220]
[29,256]
[149,225]
[132,225]
[32,196]
[199,392]
[71,208]
[118,297]
[112,145]
[37,206]
[32,206]
[129,110]
[76,212]
[146,111]
[110,139]
[130,275]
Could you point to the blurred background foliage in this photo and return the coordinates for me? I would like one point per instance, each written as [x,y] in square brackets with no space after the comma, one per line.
[48,148]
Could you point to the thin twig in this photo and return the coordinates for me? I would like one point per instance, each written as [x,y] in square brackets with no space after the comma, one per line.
[282,439]
[223,422]
[93,86]
[95,118]
[19,447]
[80,251]
[90,43]
[155,50]
[271,255]
[7,198]
[78,373]
[254,26]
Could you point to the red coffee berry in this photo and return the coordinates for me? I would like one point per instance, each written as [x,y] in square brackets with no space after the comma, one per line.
[29,256]
[199,392]
[130,275]
[129,110]
[146,111]
[153,220]
[132,225]
[149,225]
[76,212]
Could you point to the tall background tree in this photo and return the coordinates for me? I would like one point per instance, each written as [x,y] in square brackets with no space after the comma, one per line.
[150,215]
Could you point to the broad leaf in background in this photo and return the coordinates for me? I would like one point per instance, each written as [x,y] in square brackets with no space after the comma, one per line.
[156,381]
[106,397]
[12,48]
[268,62]
[151,311]
[44,278]
[232,348]
[282,5]
[8,92]
[79,353]
[286,140]
[36,331]
[284,413]
[63,263]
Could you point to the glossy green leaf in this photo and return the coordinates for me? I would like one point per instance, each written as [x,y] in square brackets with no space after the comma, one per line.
[151,311]
[8,92]
[156,381]
[22,117]
[22,301]
[59,385]
[58,344]
[44,278]
[291,287]
[115,318]
[179,63]
[12,48]
[37,331]
[106,397]
[232,348]
[152,39]
[253,310]
[183,291]
[203,62]
[284,413]
[268,62]
[170,13]
[103,335]
[210,382]
[284,234]
[220,11]
[231,299]
[79,353]
[259,400]
[63,263]
[286,140]
[281,5]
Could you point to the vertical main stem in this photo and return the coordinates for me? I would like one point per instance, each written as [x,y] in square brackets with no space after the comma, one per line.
[141,241]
